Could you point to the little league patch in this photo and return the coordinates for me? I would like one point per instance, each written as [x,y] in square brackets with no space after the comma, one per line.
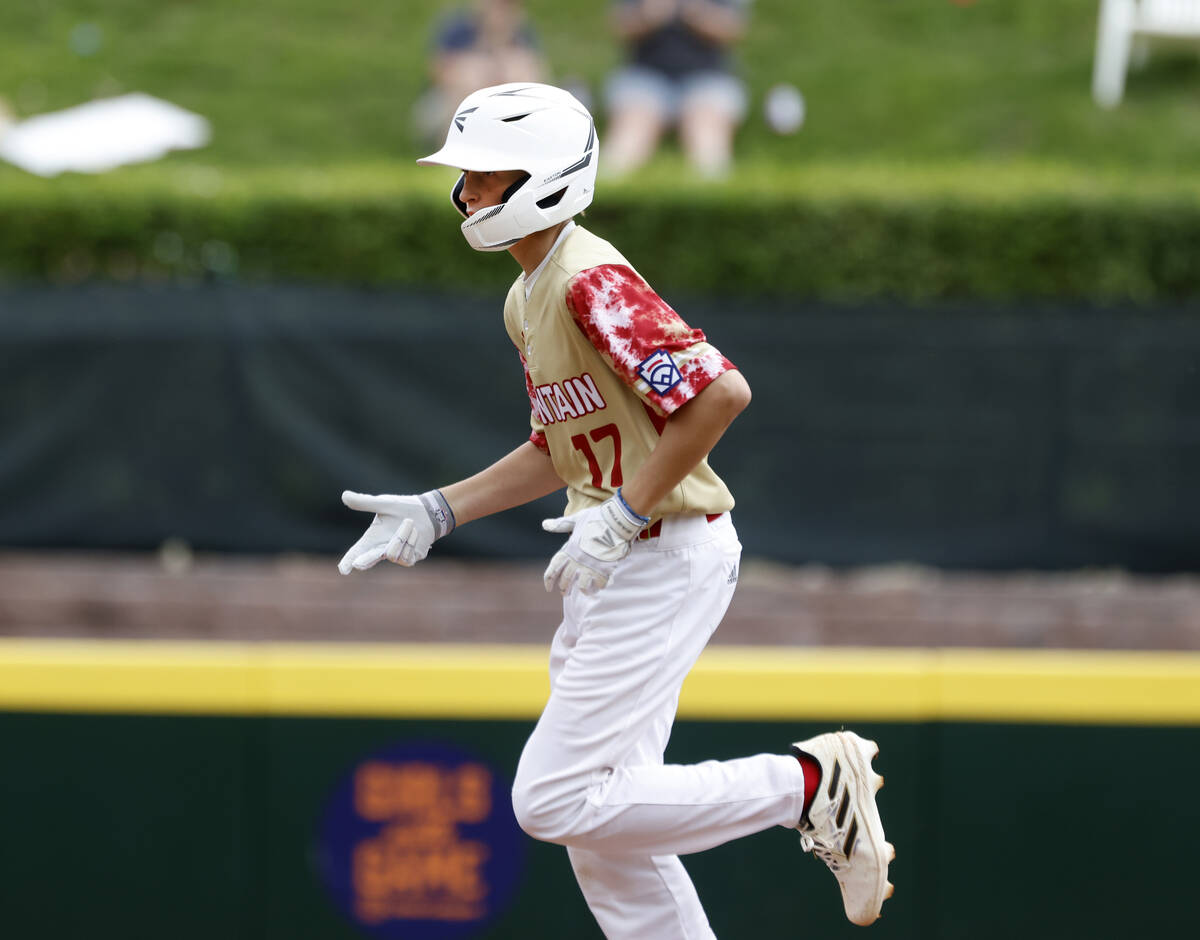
[658,370]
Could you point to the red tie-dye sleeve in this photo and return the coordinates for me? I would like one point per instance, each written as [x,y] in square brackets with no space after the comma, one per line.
[632,327]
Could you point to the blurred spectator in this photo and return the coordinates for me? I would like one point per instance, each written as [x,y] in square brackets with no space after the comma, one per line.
[678,74]
[487,43]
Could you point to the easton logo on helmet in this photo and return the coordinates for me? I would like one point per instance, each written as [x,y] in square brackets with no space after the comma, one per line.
[461,118]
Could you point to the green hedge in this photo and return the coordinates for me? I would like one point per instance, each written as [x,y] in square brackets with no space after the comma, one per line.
[824,233]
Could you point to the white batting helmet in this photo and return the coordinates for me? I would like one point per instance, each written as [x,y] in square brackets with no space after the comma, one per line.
[539,129]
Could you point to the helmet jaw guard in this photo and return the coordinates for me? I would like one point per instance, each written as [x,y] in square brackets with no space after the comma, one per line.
[477,234]
[539,129]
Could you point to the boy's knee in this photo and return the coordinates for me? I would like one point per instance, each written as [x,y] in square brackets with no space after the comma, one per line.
[531,813]
[542,812]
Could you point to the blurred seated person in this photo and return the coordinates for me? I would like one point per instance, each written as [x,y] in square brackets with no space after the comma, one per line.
[678,74]
[487,43]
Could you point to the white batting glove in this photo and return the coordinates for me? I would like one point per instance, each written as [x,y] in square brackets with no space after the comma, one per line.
[403,530]
[600,537]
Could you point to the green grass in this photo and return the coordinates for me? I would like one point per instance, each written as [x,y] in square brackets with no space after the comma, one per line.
[932,86]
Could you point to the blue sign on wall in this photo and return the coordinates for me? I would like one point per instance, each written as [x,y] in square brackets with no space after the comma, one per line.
[419,843]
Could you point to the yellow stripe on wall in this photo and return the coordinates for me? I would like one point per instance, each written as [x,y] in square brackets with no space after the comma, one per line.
[947,685]
[473,681]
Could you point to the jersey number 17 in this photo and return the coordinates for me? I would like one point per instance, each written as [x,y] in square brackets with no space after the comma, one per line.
[581,444]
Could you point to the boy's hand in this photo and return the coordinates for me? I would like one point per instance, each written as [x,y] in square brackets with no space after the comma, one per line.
[403,530]
[600,537]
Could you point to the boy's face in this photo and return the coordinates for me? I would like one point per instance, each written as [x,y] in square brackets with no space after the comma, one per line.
[482,189]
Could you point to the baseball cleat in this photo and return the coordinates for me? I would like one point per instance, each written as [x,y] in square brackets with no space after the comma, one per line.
[842,826]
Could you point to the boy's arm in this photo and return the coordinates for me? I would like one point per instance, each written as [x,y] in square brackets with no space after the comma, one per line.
[405,527]
[519,477]
[691,432]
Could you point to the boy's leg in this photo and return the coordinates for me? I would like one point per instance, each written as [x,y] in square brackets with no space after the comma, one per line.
[638,896]
[623,655]
[590,779]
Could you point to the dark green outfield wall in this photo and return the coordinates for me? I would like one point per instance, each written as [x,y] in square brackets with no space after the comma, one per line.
[201,827]
[964,436]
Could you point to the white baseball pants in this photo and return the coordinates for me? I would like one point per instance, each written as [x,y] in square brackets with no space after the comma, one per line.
[592,776]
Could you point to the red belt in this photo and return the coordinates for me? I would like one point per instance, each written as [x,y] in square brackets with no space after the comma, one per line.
[654,529]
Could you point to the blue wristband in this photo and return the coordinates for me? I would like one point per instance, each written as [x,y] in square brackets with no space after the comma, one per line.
[629,509]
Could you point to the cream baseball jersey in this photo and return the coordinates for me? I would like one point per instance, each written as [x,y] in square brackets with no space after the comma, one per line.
[607,361]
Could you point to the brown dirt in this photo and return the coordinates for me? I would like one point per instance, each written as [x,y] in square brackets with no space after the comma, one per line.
[173,595]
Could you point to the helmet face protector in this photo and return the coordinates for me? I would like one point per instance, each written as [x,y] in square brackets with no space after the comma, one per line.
[543,131]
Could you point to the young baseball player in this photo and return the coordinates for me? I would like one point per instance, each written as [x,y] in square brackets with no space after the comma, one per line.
[627,400]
